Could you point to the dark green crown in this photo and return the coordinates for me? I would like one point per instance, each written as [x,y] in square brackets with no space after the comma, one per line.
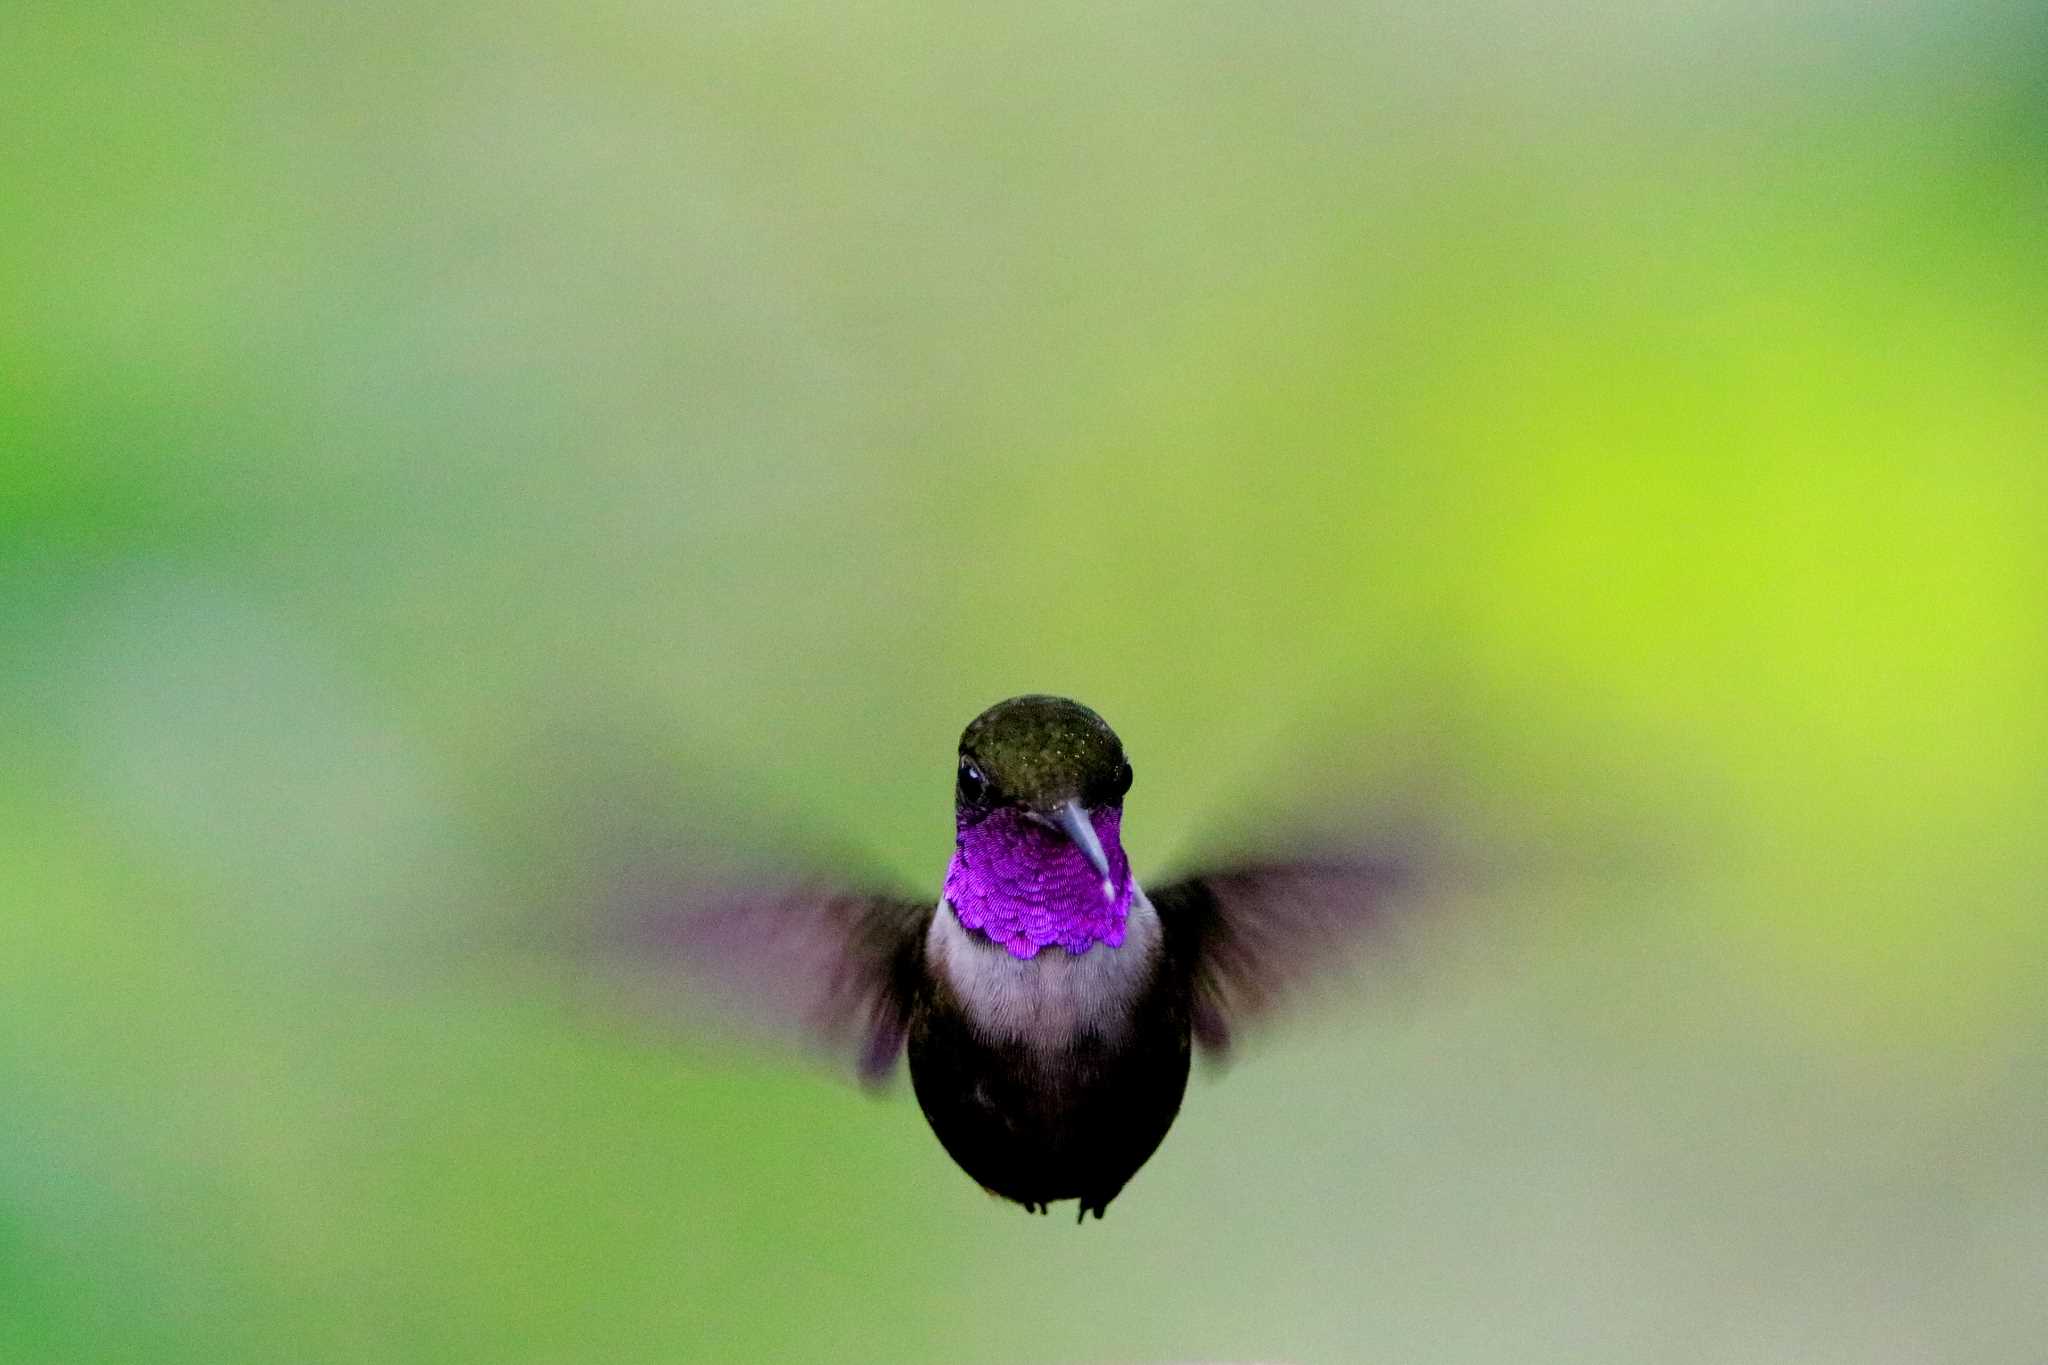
[1037,752]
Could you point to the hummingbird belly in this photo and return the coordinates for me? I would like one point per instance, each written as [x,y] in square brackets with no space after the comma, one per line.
[1053,1077]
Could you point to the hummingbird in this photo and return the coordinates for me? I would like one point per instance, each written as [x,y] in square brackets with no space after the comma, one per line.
[1048,1004]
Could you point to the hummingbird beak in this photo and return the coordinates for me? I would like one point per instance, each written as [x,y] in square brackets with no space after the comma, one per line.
[1073,822]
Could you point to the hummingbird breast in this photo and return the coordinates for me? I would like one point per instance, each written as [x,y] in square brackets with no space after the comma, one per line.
[1047,1000]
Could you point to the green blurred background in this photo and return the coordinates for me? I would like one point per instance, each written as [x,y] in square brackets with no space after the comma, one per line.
[440,447]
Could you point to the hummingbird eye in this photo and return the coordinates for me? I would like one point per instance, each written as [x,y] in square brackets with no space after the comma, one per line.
[973,786]
[1123,778]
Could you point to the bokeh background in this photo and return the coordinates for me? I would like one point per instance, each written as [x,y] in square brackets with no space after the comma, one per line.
[444,450]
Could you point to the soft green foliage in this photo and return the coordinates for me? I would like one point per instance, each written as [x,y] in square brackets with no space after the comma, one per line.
[447,451]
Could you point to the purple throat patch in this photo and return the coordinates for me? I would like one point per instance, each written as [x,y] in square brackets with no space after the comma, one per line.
[1028,887]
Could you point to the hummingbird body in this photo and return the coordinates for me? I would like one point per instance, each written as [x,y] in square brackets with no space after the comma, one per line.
[1050,1077]
[1049,1007]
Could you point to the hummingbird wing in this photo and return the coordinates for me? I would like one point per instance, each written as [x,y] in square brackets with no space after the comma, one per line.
[1246,935]
[838,966]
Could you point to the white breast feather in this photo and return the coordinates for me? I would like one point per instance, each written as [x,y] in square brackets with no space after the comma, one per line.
[1049,998]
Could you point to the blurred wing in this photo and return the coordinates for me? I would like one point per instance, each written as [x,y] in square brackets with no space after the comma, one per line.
[837,967]
[1249,934]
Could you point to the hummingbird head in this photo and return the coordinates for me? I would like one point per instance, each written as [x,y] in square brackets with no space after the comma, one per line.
[1040,755]
[1038,806]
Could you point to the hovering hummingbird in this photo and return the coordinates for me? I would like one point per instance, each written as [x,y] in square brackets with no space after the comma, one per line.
[1048,1004]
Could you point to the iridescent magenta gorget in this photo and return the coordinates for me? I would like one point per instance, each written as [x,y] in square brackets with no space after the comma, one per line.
[1028,886]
